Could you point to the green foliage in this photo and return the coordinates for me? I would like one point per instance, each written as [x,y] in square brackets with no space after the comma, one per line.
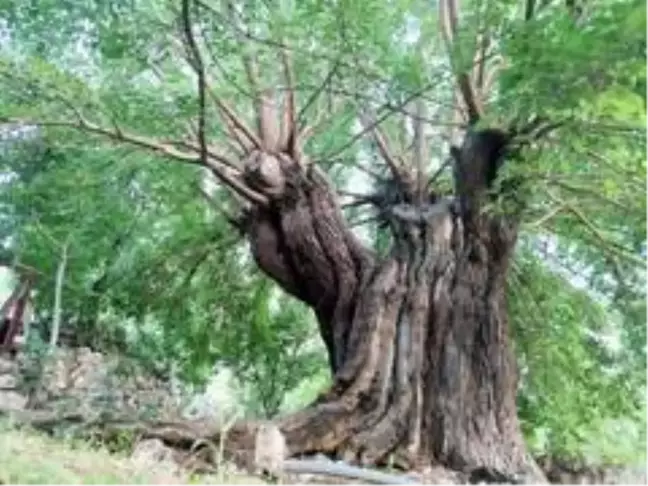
[152,273]
[156,273]
[279,350]
[575,382]
[561,63]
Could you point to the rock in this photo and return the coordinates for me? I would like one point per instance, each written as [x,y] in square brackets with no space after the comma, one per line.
[8,381]
[12,400]
[152,451]
[269,449]
[92,383]
[7,365]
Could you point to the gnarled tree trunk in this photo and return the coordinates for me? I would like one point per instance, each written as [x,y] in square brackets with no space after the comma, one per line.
[418,341]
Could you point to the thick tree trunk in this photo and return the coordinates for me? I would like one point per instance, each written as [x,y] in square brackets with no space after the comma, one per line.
[418,342]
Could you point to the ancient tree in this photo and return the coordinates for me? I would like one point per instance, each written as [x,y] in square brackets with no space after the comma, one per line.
[418,340]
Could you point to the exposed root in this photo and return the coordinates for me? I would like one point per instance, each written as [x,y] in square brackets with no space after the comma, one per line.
[194,443]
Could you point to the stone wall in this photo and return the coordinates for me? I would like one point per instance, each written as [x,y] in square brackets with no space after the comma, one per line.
[85,382]
[11,397]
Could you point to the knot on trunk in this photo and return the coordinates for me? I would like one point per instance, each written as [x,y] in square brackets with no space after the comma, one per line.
[267,172]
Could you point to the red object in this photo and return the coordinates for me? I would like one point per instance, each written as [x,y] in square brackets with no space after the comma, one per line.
[12,313]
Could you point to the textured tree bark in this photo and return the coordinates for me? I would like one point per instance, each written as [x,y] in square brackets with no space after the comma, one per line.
[418,341]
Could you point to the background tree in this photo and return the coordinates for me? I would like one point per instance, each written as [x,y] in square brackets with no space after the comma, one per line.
[143,257]
[417,335]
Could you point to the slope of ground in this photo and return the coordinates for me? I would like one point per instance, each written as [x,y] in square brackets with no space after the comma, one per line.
[29,457]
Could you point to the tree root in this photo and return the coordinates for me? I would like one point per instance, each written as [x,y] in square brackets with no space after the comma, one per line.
[198,442]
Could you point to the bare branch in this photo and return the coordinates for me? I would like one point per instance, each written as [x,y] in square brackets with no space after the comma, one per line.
[278,44]
[420,149]
[215,204]
[268,120]
[610,245]
[58,291]
[637,180]
[529,10]
[343,470]
[389,106]
[539,127]
[448,20]
[383,146]
[315,126]
[237,129]
[377,121]
[266,112]
[448,17]
[215,61]
[289,137]
[590,191]
[227,175]
[143,142]
[264,99]
[438,172]
[198,66]
[479,62]
[213,151]
[472,103]
[356,164]
[491,74]
[366,220]
[358,200]
[317,91]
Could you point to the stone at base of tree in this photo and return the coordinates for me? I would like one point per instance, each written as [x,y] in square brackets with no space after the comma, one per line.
[151,451]
[269,450]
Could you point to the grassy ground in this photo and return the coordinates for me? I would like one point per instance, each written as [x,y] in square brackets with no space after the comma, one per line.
[28,457]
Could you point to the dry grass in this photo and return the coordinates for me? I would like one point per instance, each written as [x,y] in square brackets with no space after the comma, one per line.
[28,457]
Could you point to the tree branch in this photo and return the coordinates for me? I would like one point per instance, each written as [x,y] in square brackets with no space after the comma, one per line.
[381,141]
[546,217]
[318,90]
[610,246]
[226,174]
[377,121]
[238,130]
[198,66]
[448,16]
[420,150]
[529,10]
[58,291]
[84,125]
[290,139]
